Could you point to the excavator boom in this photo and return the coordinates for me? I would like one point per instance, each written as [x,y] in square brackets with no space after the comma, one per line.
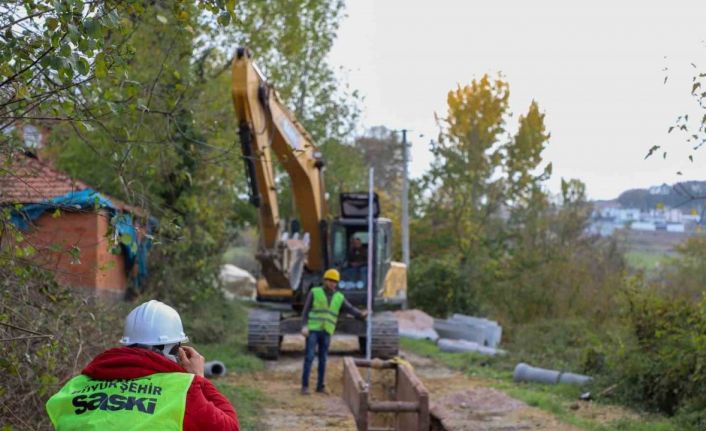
[266,126]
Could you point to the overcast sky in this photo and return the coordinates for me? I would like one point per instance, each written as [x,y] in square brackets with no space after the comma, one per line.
[596,69]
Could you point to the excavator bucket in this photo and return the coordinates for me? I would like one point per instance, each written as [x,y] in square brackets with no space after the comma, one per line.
[283,266]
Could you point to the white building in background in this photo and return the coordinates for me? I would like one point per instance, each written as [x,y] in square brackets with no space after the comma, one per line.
[625,215]
[669,215]
[619,215]
[608,216]
[695,218]
[644,225]
[676,227]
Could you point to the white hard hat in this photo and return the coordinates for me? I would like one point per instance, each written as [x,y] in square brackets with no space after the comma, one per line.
[153,323]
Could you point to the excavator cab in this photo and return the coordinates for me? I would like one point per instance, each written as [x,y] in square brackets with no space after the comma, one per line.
[350,238]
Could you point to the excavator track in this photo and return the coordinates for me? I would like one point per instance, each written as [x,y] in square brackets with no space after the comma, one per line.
[386,337]
[264,333]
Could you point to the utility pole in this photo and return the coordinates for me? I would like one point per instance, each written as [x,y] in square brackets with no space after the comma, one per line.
[405,197]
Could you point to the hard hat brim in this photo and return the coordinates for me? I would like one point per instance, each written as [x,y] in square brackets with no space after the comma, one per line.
[125,341]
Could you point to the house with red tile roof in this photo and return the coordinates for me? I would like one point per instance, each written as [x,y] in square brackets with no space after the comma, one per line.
[88,239]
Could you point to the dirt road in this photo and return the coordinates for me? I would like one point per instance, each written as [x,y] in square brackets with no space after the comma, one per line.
[465,403]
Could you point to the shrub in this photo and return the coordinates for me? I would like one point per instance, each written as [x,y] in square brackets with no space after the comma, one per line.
[661,365]
[439,287]
[49,334]
[564,344]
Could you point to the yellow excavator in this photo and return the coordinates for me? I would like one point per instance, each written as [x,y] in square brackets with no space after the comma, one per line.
[293,256]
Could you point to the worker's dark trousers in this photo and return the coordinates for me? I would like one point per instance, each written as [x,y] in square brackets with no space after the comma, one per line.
[320,339]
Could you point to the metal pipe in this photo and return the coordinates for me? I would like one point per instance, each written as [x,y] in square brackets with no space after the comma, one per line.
[405,197]
[371,232]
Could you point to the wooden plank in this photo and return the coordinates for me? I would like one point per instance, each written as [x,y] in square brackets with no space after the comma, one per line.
[355,393]
[409,388]
[393,406]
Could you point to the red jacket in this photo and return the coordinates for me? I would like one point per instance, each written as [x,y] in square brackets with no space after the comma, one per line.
[206,408]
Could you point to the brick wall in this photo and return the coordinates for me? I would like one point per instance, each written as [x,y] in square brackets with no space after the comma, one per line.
[96,268]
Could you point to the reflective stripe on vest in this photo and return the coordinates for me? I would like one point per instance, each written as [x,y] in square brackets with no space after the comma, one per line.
[155,402]
[324,315]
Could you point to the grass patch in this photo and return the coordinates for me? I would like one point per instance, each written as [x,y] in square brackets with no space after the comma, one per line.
[218,329]
[234,355]
[472,364]
[248,402]
[555,399]
[219,332]
[645,260]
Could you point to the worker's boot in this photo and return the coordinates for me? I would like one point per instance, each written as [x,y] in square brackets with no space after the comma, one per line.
[305,391]
[322,390]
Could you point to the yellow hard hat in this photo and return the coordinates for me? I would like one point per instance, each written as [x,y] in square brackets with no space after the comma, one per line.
[332,274]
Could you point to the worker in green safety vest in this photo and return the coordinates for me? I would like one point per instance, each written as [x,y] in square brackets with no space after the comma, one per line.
[153,382]
[319,318]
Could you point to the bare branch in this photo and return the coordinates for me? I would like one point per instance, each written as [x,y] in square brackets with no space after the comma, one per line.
[34,15]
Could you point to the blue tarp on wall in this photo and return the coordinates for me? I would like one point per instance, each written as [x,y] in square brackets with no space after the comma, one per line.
[135,251]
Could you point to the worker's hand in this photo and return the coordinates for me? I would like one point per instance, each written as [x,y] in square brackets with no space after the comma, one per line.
[305,331]
[191,360]
[365,314]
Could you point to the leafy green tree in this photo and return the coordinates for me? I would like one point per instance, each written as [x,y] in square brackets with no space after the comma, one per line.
[57,58]
[684,276]
[290,41]
[469,151]
[485,215]
[173,148]
[467,186]
[480,174]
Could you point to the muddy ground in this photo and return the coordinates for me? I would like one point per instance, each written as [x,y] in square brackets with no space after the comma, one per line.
[463,402]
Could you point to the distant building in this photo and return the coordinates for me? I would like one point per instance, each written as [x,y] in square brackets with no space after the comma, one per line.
[676,227]
[68,224]
[644,225]
[691,218]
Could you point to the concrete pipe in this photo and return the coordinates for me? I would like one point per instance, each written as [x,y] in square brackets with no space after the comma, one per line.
[527,373]
[459,331]
[458,346]
[491,329]
[214,369]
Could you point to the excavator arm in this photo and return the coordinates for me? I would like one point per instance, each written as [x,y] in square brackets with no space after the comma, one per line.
[266,126]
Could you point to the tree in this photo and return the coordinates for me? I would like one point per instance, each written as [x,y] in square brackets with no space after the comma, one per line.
[694,130]
[381,149]
[467,187]
[290,41]
[57,57]
[483,214]
[480,173]
[173,148]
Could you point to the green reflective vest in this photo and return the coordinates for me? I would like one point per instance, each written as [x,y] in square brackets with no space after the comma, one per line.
[324,315]
[155,402]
